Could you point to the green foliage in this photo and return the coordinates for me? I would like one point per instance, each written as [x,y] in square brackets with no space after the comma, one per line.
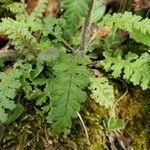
[114,124]
[102,91]
[55,79]
[20,30]
[71,77]
[138,28]
[39,9]
[48,56]
[131,67]
[9,85]
[63,88]
[18,9]
[74,11]
[6,1]
[53,26]
[98,11]
[12,116]
[21,37]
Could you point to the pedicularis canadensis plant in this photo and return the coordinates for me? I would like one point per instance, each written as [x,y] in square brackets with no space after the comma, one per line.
[52,58]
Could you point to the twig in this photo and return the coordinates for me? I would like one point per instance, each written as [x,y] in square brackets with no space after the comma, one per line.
[86,133]
[29,142]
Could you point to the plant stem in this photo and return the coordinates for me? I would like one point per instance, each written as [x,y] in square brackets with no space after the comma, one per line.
[87,136]
[85,28]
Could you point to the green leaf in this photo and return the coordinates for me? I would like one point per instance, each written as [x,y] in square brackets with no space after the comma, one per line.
[74,11]
[38,70]
[21,37]
[3,115]
[48,56]
[67,92]
[9,85]
[98,11]
[138,28]
[15,113]
[52,26]
[114,124]
[132,67]
[16,8]
[39,10]
[6,1]
[102,91]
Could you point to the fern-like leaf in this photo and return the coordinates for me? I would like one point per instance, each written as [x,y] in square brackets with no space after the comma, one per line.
[98,11]
[132,67]
[52,26]
[20,35]
[74,11]
[9,85]
[67,92]
[16,7]
[49,56]
[39,9]
[138,28]
[102,91]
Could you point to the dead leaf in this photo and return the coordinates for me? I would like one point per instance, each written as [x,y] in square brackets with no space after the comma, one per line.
[141,4]
[97,73]
[3,36]
[123,35]
[53,7]
[102,32]
[31,4]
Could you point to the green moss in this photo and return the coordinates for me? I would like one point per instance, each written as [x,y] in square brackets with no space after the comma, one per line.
[135,110]
[31,131]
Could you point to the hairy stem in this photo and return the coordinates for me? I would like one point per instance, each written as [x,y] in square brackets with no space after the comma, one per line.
[86,27]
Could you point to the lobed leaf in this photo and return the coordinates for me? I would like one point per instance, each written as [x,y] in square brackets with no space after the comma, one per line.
[9,85]
[102,91]
[138,28]
[132,67]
